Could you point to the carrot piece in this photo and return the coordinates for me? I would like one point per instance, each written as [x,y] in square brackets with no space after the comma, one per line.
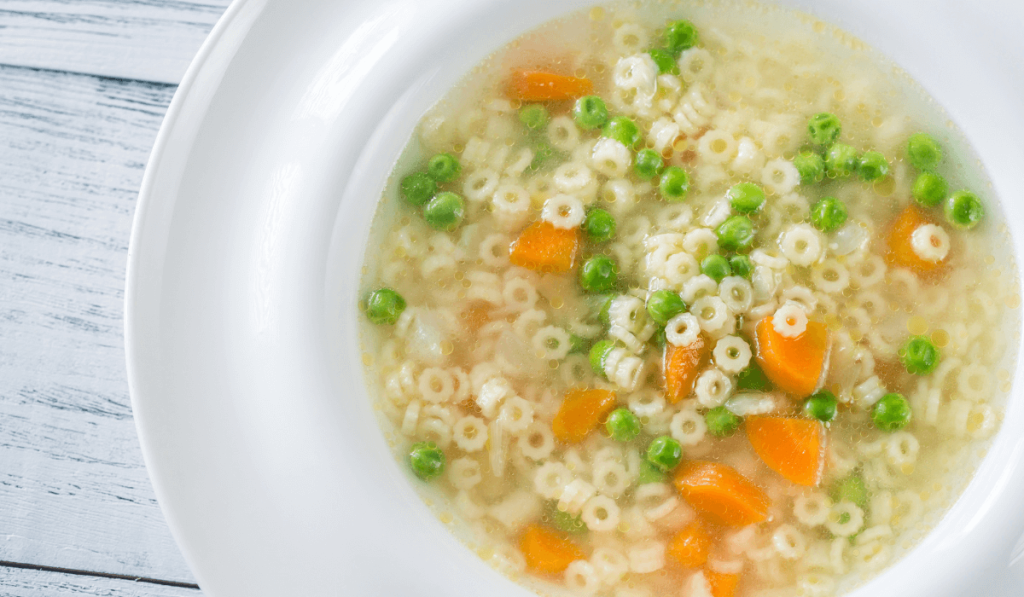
[547,551]
[722,584]
[540,86]
[691,546]
[476,315]
[681,364]
[792,447]
[581,412]
[544,248]
[900,251]
[794,365]
[721,493]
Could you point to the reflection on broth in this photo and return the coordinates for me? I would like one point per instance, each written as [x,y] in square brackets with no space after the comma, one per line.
[689,299]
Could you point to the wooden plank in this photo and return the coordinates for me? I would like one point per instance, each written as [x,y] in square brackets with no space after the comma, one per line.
[73,488]
[38,583]
[148,40]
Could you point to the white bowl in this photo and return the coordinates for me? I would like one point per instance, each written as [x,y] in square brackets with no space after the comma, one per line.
[241,315]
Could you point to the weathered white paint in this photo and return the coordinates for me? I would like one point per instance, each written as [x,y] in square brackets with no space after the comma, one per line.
[35,583]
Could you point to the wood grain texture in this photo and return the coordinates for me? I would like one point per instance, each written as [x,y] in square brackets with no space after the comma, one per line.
[35,583]
[147,40]
[73,489]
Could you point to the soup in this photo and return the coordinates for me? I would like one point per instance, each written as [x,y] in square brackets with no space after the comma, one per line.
[689,299]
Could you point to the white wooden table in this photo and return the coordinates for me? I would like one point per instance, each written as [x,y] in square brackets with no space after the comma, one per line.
[84,85]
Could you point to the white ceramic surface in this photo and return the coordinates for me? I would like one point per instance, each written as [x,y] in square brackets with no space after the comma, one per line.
[249,235]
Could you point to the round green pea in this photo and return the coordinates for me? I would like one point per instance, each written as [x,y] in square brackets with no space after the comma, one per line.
[598,353]
[543,152]
[418,188]
[444,167]
[891,412]
[663,305]
[590,112]
[841,161]
[599,225]
[623,130]
[649,474]
[665,60]
[599,274]
[445,211]
[604,305]
[745,197]
[811,167]
[664,453]
[824,128]
[384,306]
[648,164]
[578,344]
[534,116]
[565,522]
[680,35]
[964,210]
[721,422]
[929,189]
[623,425]
[735,234]
[872,166]
[919,355]
[715,267]
[426,460]
[924,151]
[741,266]
[828,214]
[821,406]
[675,183]
[753,378]
[851,489]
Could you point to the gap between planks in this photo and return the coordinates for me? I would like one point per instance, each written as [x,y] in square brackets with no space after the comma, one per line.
[73,572]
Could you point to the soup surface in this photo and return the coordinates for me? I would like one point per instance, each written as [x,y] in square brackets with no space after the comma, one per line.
[700,300]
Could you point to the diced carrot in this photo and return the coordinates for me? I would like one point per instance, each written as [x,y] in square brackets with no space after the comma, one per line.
[691,546]
[900,251]
[792,447]
[547,551]
[721,493]
[722,584]
[544,248]
[581,412]
[540,86]
[794,365]
[681,364]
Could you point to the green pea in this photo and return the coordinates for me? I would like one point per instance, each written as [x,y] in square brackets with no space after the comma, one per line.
[675,183]
[418,188]
[426,460]
[623,425]
[828,214]
[721,422]
[590,112]
[715,267]
[924,151]
[841,161]
[565,522]
[598,353]
[623,130]
[735,234]
[659,338]
[811,167]
[680,35]
[824,128]
[929,189]
[821,406]
[543,153]
[665,60]
[384,306]
[650,473]
[604,304]
[919,355]
[664,453]
[964,210]
[851,489]
[753,378]
[745,197]
[599,274]
[891,412]
[534,116]
[663,305]
[872,166]
[599,225]
[578,344]
[444,167]
[648,164]
[741,266]
[445,211]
